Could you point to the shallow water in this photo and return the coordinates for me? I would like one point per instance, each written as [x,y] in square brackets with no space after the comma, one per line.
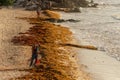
[98,26]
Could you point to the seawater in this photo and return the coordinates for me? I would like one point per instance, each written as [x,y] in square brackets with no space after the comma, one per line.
[98,26]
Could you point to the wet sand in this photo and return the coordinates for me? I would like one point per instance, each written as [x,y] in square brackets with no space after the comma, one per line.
[99,65]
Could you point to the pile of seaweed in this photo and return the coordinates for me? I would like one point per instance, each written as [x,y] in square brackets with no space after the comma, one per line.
[56,63]
[42,32]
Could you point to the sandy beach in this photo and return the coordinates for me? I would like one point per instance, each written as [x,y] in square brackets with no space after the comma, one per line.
[15,57]
[12,57]
[94,28]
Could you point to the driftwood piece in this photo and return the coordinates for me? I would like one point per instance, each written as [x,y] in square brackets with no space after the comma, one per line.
[81,46]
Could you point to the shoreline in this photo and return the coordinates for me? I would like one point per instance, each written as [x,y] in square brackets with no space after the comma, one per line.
[58,57]
[97,62]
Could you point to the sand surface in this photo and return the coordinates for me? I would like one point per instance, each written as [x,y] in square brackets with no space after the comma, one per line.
[12,57]
[100,65]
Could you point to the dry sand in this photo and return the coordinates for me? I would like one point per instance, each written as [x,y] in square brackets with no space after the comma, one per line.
[12,57]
